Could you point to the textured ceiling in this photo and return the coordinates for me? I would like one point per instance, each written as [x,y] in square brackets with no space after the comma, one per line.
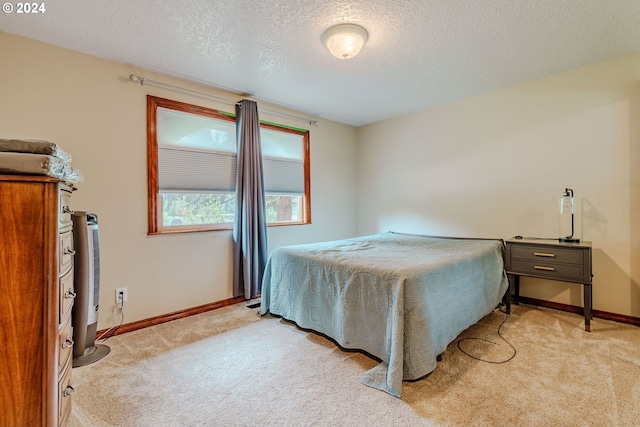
[420,53]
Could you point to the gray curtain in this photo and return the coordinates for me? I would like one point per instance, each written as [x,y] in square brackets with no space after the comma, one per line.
[250,224]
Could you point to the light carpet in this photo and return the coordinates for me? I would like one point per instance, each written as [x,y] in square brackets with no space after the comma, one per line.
[229,367]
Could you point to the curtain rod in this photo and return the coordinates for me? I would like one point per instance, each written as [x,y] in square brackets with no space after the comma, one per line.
[144,80]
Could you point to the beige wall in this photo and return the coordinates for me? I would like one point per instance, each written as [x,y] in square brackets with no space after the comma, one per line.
[494,165]
[90,108]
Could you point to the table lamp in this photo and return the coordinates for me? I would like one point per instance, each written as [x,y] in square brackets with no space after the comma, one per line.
[567,204]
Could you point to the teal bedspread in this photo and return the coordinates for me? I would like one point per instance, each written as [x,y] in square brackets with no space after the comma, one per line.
[402,298]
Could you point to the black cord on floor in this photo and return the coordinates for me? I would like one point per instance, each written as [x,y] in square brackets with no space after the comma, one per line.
[491,342]
[113,329]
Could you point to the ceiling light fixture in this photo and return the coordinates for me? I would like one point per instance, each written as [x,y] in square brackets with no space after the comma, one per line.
[344,41]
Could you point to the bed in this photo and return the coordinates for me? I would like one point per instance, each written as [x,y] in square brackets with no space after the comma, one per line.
[401,298]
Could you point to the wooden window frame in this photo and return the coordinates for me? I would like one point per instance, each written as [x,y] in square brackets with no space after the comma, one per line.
[153,103]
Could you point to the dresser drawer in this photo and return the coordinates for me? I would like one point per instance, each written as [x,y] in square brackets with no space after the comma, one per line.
[66,345]
[66,252]
[65,391]
[549,270]
[67,296]
[65,212]
[547,254]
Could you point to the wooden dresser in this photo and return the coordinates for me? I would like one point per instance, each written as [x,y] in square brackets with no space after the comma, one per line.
[37,294]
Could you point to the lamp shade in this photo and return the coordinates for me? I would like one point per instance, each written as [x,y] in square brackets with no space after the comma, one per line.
[344,41]
[566,204]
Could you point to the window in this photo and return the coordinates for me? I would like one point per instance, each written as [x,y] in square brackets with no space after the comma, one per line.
[192,169]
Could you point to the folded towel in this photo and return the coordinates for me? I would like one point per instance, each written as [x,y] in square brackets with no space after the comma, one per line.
[34,146]
[38,164]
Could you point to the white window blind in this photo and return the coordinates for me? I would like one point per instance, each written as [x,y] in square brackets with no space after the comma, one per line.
[282,162]
[198,154]
[283,176]
[184,170]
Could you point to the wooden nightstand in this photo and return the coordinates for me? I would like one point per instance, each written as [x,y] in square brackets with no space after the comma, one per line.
[550,259]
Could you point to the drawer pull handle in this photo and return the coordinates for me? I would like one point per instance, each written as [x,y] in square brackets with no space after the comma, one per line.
[67,210]
[545,254]
[540,267]
[69,251]
[67,343]
[69,294]
[69,390]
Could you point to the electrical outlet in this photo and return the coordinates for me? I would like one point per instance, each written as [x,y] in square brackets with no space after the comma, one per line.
[121,295]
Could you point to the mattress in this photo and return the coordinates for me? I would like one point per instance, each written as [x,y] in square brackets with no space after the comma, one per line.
[401,298]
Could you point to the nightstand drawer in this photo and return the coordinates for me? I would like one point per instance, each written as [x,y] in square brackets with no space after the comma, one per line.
[547,254]
[551,270]
[550,259]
